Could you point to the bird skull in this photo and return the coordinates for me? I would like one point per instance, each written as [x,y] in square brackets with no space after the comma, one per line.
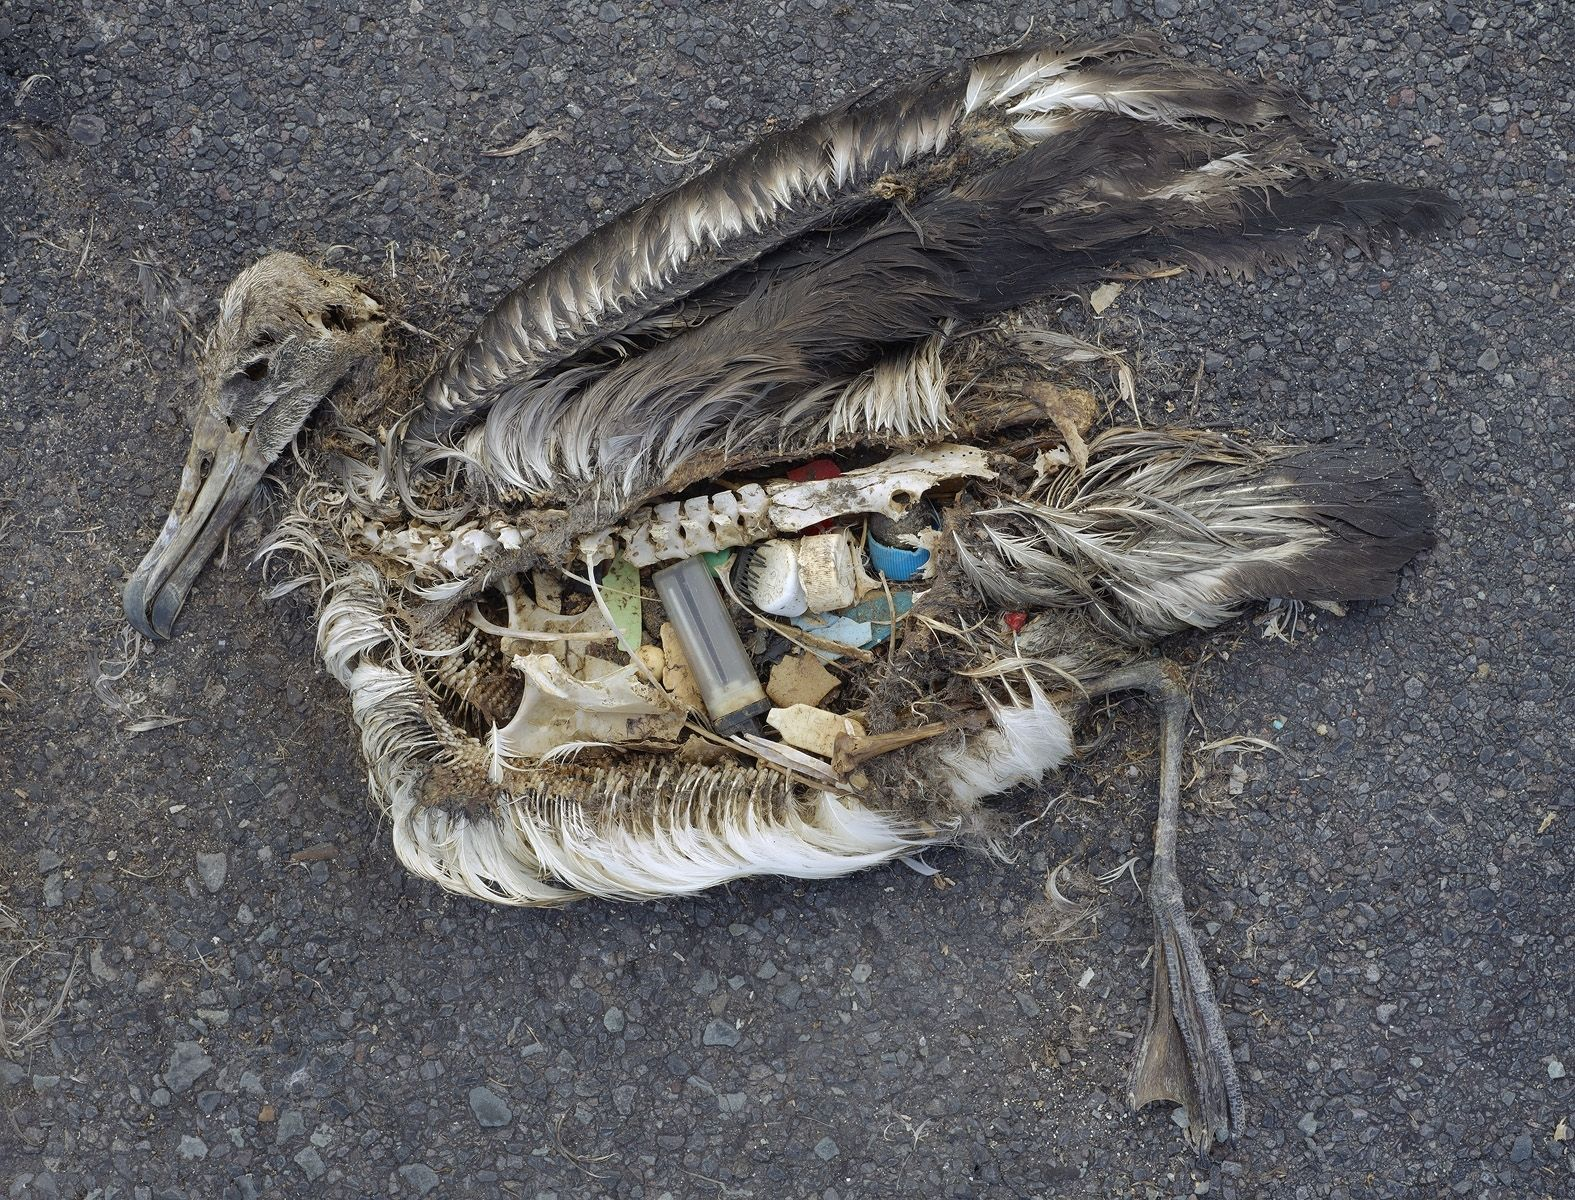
[288,333]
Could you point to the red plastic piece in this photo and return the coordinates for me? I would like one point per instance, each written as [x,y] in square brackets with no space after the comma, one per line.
[1015,621]
[815,468]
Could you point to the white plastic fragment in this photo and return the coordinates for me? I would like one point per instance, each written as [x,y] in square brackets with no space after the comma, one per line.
[812,729]
[826,571]
[773,581]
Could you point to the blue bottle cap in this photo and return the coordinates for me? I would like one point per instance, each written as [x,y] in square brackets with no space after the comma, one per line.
[896,563]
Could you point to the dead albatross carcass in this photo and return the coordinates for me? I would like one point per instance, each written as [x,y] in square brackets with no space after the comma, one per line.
[750,536]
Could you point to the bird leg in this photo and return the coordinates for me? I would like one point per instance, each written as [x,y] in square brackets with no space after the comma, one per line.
[1184,1055]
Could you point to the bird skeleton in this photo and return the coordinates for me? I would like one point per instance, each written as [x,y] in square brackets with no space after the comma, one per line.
[514,578]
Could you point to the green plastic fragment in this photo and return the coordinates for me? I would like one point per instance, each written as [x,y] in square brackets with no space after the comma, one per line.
[716,561]
[621,593]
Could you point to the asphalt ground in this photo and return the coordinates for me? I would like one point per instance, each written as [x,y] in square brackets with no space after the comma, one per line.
[263,1004]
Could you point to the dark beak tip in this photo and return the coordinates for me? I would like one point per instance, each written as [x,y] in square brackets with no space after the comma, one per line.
[155,624]
[165,609]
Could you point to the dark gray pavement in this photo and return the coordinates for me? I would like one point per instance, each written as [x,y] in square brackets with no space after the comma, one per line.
[1388,901]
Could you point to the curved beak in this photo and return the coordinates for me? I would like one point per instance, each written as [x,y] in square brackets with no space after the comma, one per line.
[218,479]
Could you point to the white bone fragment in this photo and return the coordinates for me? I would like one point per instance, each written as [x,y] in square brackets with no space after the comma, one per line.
[557,709]
[889,487]
[705,524]
[467,551]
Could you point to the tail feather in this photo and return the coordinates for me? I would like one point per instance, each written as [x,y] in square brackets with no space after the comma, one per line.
[1168,531]
[1370,513]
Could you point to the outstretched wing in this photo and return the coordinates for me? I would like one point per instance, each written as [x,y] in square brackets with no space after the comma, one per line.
[727,320]
[891,145]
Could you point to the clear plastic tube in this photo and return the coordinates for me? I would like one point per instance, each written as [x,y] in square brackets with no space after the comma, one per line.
[717,659]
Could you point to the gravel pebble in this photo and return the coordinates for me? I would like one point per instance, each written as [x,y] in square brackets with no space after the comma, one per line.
[418,1178]
[721,1033]
[489,1109]
[211,869]
[87,129]
[188,1063]
[310,1162]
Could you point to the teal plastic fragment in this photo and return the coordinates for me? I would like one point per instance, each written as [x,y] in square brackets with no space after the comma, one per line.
[864,625]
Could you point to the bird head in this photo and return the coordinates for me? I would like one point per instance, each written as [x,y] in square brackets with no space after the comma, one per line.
[287,335]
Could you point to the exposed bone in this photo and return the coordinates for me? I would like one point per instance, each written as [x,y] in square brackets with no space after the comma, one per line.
[706,524]
[850,749]
[889,487]
[557,709]
[678,529]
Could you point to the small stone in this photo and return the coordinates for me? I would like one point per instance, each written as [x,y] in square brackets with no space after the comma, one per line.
[48,860]
[188,1063]
[862,972]
[211,869]
[1386,1013]
[418,1177]
[1521,1150]
[267,1114]
[1488,359]
[826,1149]
[310,1162]
[191,1147]
[1555,1069]
[609,14]
[613,1020]
[86,129]
[730,1102]
[1308,1124]
[721,1033]
[489,1109]
[291,1125]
